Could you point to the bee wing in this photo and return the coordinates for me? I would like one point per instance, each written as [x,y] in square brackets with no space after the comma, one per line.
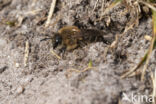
[94,35]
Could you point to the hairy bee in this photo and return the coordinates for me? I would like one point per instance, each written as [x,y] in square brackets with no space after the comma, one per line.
[67,38]
[71,37]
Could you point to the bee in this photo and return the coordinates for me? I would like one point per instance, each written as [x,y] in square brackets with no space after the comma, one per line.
[67,38]
[71,37]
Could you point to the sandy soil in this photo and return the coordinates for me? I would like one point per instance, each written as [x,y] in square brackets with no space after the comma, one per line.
[44,80]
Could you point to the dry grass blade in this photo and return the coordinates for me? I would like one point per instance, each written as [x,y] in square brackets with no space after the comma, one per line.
[26,55]
[153,77]
[90,66]
[152,45]
[55,54]
[127,74]
[146,57]
[116,2]
[114,43]
[102,8]
[95,5]
[33,12]
[149,5]
[20,20]
[119,101]
[105,53]
[50,12]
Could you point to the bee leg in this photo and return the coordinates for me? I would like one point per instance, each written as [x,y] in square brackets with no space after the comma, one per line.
[44,39]
[81,44]
[102,39]
[108,39]
[63,49]
[55,45]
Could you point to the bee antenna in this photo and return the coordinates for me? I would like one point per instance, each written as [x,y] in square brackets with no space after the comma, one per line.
[44,39]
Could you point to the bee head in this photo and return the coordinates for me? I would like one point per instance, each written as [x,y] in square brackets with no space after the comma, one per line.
[57,40]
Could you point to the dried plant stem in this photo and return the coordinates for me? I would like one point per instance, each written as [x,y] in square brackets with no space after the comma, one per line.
[149,5]
[69,72]
[55,54]
[95,5]
[129,72]
[50,12]
[153,77]
[26,54]
[152,45]
[148,59]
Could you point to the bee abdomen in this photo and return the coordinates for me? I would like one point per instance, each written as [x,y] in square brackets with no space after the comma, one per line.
[93,35]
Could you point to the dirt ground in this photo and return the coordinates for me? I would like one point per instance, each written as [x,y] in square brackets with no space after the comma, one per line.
[44,79]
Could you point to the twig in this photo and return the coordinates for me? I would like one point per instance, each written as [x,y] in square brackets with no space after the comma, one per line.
[52,7]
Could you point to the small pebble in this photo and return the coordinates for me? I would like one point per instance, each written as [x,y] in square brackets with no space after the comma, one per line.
[17,65]
[20,90]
